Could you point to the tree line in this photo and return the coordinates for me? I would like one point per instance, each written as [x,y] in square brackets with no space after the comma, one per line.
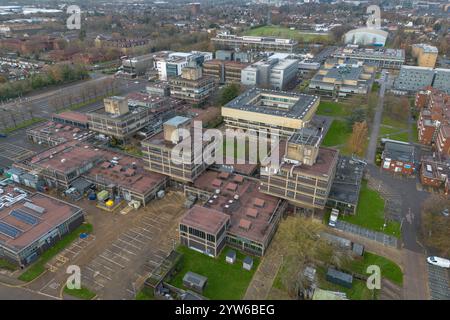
[54,75]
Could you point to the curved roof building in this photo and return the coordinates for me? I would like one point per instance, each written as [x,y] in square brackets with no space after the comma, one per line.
[366,36]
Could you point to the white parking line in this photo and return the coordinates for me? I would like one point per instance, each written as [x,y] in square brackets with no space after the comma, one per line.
[100,265]
[112,261]
[134,239]
[127,242]
[116,254]
[127,251]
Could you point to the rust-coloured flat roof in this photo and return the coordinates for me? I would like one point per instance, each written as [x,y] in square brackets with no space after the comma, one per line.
[68,157]
[259,203]
[205,219]
[217,183]
[56,212]
[245,193]
[71,116]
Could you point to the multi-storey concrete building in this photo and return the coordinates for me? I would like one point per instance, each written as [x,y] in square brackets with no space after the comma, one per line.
[229,41]
[381,57]
[305,173]
[270,73]
[224,71]
[120,120]
[158,155]
[248,216]
[425,54]
[413,79]
[340,78]
[261,109]
[192,86]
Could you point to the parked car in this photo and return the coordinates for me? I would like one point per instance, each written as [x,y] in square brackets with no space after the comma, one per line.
[3,135]
[440,262]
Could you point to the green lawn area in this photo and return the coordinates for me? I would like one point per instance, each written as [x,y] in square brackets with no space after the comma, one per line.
[393,133]
[37,268]
[145,294]
[6,265]
[375,87]
[283,32]
[389,269]
[335,109]
[23,125]
[388,121]
[82,293]
[225,281]
[370,213]
[337,134]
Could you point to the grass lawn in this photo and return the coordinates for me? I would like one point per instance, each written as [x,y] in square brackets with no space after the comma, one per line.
[23,125]
[388,121]
[335,109]
[389,269]
[338,134]
[283,32]
[82,293]
[375,87]
[225,281]
[370,213]
[6,265]
[37,268]
[393,133]
[145,294]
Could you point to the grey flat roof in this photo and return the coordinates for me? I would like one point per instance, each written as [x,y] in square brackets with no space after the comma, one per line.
[399,151]
[176,121]
[298,110]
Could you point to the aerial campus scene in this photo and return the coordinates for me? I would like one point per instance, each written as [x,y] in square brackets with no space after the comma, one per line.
[232,150]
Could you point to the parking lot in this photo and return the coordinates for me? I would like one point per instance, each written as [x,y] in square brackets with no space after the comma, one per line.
[135,253]
[13,152]
[438,283]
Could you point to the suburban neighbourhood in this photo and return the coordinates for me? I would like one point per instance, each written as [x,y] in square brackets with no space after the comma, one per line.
[225,150]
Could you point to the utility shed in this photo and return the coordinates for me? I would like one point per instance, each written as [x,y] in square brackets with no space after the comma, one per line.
[231,257]
[358,249]
[248,263]
[340,278]
[194,281]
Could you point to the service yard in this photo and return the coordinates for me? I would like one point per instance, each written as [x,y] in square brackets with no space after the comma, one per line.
[120,254]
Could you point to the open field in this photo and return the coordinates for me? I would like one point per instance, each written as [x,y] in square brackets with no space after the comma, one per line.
[282,32]
[225,281]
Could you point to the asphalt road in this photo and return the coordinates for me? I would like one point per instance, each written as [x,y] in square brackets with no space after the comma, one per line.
[415,269]
[18,293]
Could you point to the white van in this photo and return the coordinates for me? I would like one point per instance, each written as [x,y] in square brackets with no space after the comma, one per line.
[440,262]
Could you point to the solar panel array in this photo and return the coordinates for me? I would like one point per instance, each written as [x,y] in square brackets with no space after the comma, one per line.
[24,217]
[9,231]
